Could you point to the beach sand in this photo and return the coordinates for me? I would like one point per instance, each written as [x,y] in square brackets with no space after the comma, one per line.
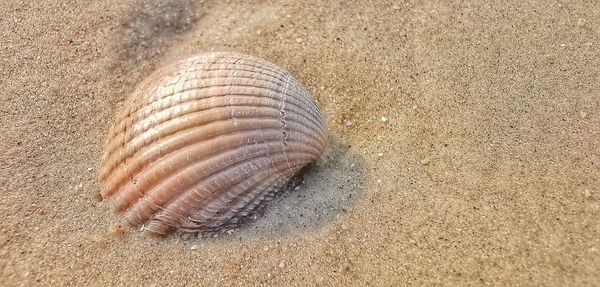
[486,171]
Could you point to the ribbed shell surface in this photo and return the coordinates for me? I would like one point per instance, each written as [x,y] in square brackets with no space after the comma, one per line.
[202,142]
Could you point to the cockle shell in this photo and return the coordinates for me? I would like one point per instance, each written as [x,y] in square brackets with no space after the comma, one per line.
[202,142]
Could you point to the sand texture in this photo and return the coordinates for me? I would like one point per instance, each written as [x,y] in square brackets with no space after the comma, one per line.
[484,171]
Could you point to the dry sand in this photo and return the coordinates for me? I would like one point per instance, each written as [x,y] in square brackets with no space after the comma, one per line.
[487,171]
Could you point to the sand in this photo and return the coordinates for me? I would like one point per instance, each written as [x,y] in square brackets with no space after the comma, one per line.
[486,171]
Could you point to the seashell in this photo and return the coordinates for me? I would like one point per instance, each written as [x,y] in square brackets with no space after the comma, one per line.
[202,142]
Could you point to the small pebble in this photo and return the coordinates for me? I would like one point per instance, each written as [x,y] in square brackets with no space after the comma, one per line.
[384,119]
[379,181]
[281,265]
[426,161]
[89,169]
[348,122]
[230,231]
[194,247]
[587,193]
[299,40]
[380,154]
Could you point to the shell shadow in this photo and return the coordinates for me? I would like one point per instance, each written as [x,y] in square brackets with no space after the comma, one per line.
[151,28]
[328,188]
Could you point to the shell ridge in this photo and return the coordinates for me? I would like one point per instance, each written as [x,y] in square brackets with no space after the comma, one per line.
[199,221]
[123,123]
[260,64]
[136,189]
[174,148]
[157,188]
[125,195]
[163,96]
[283,118]
[190,198]
[128,151]
[138,171]
[238,207]
[131,148]
[250,62]
[249,202]
[234,74]
[167,97]
[169,115]
[170,99]
[172,114]
[227,210]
